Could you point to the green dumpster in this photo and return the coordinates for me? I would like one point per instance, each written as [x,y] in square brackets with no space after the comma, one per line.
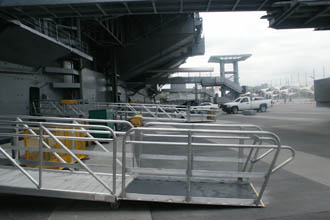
[106,114]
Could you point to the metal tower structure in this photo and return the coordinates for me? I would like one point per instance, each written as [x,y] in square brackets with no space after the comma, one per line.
[229,59]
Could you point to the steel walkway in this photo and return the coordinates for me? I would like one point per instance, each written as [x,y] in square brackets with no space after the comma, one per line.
[59,184]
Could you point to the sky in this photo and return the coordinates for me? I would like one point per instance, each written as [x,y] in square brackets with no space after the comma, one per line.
[278,56]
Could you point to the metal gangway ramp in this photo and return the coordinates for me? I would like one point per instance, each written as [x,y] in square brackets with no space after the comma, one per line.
[212,164]
[57,138]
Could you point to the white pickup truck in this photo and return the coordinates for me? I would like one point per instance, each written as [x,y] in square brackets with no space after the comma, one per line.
[245,103]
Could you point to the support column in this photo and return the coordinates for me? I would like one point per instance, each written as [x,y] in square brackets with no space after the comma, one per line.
[236,75]
[80,59]
[222,69]
[114,78]
[223,91]
[196,93]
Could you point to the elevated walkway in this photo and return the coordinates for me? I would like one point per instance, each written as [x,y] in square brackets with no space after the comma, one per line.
[204,81]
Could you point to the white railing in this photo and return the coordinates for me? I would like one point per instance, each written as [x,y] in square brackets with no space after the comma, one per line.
[60,131]
[150,112]
[191,137]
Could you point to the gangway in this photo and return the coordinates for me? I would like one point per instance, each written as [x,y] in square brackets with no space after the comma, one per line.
[79,180]
[163,162]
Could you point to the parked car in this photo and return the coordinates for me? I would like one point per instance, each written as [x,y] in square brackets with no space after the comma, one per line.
[205,106]
[245,103]
[191,103]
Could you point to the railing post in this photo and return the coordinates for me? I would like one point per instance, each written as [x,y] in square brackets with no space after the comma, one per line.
[40,154]
[15,153]
[248,159]
[114,164]
[73,142]
[137,149]
[123,167]
[240,156]
[269,172]
[156,111]
[188,113]
[189,167]
[256,153]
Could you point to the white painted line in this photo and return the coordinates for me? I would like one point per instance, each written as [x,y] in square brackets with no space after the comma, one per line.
[307,165]
[310,166]
[284,118]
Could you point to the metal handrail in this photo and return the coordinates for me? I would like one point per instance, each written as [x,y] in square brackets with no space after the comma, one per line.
[192,144]
[170,112]
[293,153]
[19,167]
[81,126]
[48,134]
[194,125]
[82,163]
[69,119]
[254,135]
[43,142]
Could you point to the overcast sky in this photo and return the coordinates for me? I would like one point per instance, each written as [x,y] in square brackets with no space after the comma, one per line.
[276,54]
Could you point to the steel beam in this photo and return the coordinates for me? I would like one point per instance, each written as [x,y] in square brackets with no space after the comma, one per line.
[25,14]
[320,13]
[114,79]
[154,6]
[229,58]
[92,38]
[48,11]
[99,7]
[262,5]
[236,4]
[110,32]
[127,8]
[181,6]
[183,70]
[294,6]
[208,5]
[75,10]
[323,29]
[21,3]
[317,3]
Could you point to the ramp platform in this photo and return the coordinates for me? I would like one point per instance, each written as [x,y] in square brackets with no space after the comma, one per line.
[217,193]
[58,184]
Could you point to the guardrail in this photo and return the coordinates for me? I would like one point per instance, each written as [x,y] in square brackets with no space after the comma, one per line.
[59,132]
[123,111]
[193,138]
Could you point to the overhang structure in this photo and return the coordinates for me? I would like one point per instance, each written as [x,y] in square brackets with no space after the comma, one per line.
[130,38]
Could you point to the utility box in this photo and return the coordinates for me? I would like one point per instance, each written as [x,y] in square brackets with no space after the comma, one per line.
[136,120]
[105,114]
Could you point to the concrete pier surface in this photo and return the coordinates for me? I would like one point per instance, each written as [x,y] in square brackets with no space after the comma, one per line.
[301,190]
